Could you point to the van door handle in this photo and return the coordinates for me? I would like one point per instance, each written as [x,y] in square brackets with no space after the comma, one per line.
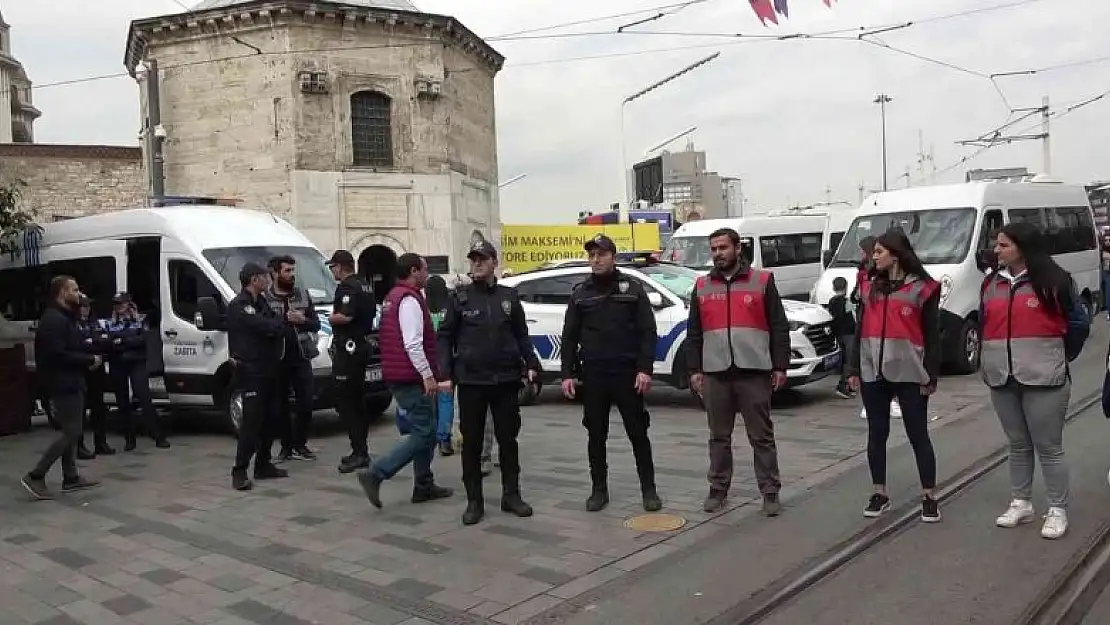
[171,333]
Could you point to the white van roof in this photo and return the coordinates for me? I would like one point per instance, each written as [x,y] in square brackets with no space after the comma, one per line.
[199,227]
[975,195]
[759,224]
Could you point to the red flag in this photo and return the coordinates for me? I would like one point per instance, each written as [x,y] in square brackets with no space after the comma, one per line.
[764,10]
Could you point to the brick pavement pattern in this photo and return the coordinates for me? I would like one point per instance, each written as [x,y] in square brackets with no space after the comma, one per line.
[165,541]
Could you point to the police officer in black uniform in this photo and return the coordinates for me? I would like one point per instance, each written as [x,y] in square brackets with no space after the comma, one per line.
[256,338]
[483,347]
[98,342]
[352,322]
[609,338]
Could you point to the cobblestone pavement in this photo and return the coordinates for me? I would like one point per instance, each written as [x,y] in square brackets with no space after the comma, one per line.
[166,541]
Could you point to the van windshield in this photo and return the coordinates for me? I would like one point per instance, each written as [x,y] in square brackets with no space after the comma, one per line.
[940,236]
[312,271]
[693,251]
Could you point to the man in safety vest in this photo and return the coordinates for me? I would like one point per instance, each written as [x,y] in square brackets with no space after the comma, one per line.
[738,339]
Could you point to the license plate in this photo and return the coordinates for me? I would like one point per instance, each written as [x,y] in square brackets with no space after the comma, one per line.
[157,385]
[374,374]
[832,361]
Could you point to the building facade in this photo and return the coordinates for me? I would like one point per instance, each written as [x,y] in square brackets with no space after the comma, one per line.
[367,124]
[63,181]
[680,179]
[17,112]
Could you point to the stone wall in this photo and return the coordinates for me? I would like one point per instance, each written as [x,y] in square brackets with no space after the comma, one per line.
[75,180]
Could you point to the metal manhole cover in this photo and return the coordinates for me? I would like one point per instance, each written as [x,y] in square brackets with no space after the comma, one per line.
[655,523]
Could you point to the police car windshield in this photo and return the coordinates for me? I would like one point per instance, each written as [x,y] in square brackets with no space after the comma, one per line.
[676,279]
[311,267]
[940,236]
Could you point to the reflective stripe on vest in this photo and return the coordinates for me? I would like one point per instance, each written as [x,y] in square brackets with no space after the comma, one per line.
[734,323]
[1021,338]
[892,336]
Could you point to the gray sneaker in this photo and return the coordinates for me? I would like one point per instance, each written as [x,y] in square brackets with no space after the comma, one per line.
[36,488]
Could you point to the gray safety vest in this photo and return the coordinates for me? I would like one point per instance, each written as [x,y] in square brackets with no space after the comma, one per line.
[306,341]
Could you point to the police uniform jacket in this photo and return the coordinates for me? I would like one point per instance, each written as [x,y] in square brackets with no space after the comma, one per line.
[355,299]
[255,334]
[483,338]
[126,335]
[609,327]
[95,339]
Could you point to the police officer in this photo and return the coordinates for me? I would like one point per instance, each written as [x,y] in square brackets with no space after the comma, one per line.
[128,372]
[96,342]
[352,321]
[256,338]
[608,342]
[483,347]
[295,306]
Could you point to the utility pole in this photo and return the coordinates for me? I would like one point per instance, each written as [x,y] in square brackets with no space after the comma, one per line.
[882,100]
[995,138]
[155,132]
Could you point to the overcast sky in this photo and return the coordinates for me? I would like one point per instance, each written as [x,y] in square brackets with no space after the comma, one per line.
[794,119]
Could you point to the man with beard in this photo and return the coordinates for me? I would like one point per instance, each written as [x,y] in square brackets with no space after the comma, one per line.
[608,340]
[295,375]
[61,361]
[738,341]
[352,322]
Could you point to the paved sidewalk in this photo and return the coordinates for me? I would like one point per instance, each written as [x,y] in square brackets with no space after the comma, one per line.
[166,541]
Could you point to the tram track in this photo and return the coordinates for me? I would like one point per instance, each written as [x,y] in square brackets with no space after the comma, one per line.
[1070,596]
[1077,587]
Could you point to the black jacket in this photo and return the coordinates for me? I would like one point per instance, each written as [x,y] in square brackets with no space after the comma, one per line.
[843,324]
[255,334]
[61,357]
[609,327]
[483,338]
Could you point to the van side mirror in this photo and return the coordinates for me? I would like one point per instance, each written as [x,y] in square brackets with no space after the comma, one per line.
[656,300]
[208,315]
[826,258]
[985,260]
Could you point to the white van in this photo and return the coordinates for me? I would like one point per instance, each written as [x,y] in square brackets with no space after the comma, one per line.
[788,245]
[950,224]
[838,223]
[167,259]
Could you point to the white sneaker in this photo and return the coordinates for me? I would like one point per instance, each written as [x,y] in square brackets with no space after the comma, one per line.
[1019,512]
[1055,523]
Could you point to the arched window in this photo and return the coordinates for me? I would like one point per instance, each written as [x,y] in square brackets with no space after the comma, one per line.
[371,132]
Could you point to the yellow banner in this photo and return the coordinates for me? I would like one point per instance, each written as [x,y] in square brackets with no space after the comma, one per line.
[529,247]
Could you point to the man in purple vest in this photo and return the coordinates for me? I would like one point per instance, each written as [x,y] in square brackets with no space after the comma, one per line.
[408,343]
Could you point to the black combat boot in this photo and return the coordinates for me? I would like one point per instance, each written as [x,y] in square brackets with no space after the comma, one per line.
[129,441]
[511,500]
[599,498]
[101,446]
[652,502]
[475,503]
[83,451]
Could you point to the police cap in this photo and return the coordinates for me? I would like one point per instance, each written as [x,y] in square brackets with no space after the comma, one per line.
[343,258]
[482,249]
[601,242]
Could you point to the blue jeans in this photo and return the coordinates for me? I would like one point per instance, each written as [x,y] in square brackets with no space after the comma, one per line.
[445,413]
[418,446]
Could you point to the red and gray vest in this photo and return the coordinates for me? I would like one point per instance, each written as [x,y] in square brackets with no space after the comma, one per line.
[1021,338]
[892,332]
[396,366]
[734,323]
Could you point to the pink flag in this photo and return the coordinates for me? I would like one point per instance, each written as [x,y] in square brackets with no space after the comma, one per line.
[764,11]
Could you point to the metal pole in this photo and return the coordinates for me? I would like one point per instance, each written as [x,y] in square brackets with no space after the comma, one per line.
[1046,143]
[154,117]
[882,99]
[622,210]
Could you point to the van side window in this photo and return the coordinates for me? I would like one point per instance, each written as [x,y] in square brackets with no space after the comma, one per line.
[1070,229]
[95,276]
[784,250]
[988,233]
[187,284]
[1027,215]
[23,292]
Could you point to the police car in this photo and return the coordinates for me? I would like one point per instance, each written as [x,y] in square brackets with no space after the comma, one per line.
[545,293]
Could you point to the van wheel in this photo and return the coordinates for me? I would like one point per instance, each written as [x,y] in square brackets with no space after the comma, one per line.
[233,411]
[528,393]
[967,361]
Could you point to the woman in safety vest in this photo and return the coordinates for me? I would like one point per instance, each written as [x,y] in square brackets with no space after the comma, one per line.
[1032,325]
[898,357]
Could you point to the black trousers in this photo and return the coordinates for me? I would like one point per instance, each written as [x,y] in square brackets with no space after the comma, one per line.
[261,417]
[96,383]
[600,392]
[876,400]
[296,379]
[68,411]
[131,377]
[350,388]
[500,400]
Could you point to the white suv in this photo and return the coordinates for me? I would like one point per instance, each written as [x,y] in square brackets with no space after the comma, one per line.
[545,294]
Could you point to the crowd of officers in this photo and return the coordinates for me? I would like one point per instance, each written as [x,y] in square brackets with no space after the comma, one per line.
[1032,324]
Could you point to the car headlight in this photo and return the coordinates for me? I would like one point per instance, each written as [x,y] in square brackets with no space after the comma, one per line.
[945,287]
[797,325]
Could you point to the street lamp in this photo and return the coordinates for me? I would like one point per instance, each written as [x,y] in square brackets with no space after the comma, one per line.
[882,100]
[623,212]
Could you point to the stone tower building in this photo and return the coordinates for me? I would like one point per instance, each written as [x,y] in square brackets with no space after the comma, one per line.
[17,113]
[367,124]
